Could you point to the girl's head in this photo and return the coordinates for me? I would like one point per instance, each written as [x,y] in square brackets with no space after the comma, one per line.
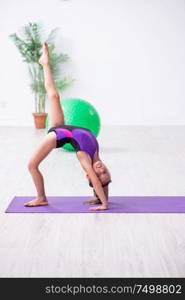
[102,172]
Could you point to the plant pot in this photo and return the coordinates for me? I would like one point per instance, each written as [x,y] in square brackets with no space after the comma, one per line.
[40,120]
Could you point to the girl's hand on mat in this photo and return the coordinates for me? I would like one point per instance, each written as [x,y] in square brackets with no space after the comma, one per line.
[101,207]
[93,201]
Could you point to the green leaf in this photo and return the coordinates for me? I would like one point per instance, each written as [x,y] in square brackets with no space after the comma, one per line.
[29,44]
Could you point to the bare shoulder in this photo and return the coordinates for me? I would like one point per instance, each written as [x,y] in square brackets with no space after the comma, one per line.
[84,159]
[81,155]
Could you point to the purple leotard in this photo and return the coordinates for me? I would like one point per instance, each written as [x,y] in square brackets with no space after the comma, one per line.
[80,138]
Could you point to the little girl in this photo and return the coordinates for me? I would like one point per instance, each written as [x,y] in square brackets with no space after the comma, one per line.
[82,139]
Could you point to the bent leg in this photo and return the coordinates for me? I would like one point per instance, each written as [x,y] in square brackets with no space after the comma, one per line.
[45,147]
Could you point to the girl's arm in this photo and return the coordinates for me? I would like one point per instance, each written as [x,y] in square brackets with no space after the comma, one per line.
[87,166]
[98,189]
[106,191]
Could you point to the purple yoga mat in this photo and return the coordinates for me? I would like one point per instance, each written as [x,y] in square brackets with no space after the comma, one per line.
[117,204]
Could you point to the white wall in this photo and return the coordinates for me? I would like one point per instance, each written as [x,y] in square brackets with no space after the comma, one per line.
[127,56]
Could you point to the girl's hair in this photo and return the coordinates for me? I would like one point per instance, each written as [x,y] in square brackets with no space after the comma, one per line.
[103,185]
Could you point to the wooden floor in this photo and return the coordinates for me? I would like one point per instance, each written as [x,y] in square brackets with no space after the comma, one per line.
[142,160]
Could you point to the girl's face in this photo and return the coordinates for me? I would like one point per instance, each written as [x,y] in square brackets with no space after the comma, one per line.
[101,171]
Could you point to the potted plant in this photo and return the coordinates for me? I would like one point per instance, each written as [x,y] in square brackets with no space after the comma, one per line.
[29,46]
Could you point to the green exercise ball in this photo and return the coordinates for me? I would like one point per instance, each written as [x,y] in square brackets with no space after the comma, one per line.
[81,113]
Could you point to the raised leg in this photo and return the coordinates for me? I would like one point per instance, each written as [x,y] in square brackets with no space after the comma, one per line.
[56,116]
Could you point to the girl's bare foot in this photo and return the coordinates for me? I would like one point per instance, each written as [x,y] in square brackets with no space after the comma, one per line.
[37,202]
[44,59]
